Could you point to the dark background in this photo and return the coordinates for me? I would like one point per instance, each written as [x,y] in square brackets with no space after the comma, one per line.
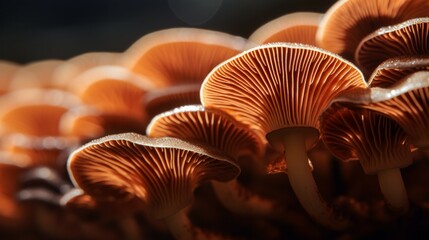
[60,29]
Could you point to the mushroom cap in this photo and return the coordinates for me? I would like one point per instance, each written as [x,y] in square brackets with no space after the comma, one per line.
[117,94]
[389,72]
[298,27]
[112,89]
[378,142]
[34,112]
[407,103]
[180,55]
[214,127]
[37,74]
[44,150]
[161,172]
[65,73]
[82,122]
[278,86]
[164,99]
[7,70]
[409,38]
[347,22]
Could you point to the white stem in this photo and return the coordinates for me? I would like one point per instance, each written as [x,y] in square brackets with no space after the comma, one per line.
[304,185]
[393,189]
[239,200]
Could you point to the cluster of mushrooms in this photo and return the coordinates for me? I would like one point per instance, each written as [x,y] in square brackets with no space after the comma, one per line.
[197,134]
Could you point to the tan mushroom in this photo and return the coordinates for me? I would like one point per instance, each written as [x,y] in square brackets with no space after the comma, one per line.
[298,27]
[7,70]
[69,69]
[407,39]
[162,173]
[30,122]
[379,143]
[200,125]
[37,74]
[117,94]
[347,22]
[180,55]
[280,90]
[179,58]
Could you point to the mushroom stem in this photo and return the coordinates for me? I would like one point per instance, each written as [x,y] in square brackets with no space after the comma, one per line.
[239,200]
[393,189]
[304,185]
[180,226]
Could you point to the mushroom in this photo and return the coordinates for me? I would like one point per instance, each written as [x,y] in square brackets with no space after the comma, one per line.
[197,124]
[69,69]
[161,173]
[180,55]
[117,94]
[298,27]
[35,75]
[164,99]
[379,143]
[409,38]
[7,70]
[280,90]
[347,22]
[34,112]
[30,123]
[392,70]
[406,102]
[179,58]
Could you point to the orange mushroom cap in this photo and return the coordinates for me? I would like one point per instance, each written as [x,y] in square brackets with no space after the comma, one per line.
[116,93]
[409,38]
[180,55]
[37,74]
[164,99]
[393,70]
[378,142]
[161,172]
[7,70]
[298,27]
[35,112]
[69,69]
[198,124]
[347,22]
[407,102]
[281,85]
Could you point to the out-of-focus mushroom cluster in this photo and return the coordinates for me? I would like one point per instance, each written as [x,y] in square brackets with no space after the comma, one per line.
[198,134]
